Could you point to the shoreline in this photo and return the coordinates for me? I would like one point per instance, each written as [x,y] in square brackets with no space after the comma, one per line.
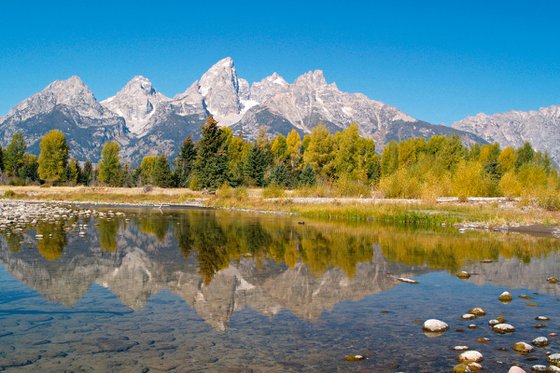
[489,214]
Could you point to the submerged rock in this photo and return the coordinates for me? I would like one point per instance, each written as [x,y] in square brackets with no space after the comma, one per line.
[552,280]
[468,316]
[354,357]
[542,318]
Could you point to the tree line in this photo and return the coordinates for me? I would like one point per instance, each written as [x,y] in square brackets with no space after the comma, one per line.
[344,161]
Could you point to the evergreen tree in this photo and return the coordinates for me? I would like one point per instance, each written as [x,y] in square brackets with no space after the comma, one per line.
[308,176]
[525,155]
[162,173]
[280,176]
[184,163]
[2,167]
[13,161]
[29,170]
[110,164]
[87,174]
[256,165]
[211,163]
[53,158]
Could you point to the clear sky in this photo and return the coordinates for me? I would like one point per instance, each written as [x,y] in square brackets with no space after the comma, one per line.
[436,60]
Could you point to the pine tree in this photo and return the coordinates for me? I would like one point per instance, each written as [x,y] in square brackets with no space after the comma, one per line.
[308,176]
[280,176]
[162,173]
[110,164]
[29,170]
[87,174]
[256,165]
[53,158]
[13,161]
[211,164]
[184,163]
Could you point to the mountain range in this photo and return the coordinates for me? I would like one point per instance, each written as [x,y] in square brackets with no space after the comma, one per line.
[144,121]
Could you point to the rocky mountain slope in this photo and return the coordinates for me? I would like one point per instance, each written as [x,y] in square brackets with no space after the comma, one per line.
[539,127]
[144,121]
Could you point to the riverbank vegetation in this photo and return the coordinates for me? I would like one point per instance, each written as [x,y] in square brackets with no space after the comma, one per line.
[321,164]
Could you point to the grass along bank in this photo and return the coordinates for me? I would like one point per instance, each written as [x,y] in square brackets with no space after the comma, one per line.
[486,212]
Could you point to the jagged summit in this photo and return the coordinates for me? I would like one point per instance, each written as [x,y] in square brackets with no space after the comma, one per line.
[145,121]
[137,102]
[539,127]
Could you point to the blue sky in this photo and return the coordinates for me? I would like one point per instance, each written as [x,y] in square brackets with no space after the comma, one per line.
[436,60]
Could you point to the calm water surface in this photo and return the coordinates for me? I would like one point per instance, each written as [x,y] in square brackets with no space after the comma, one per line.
[196,290]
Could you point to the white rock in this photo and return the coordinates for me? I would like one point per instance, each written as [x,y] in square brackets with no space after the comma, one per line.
[554,359]
[540,341]
[503,328]
[522,347]
[516,370]
[460,348]
[470,356]
[434,325]
[468,316]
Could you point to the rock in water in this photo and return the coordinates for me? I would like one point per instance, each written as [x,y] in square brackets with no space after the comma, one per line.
[463,275]
[435,326]
[478,311]
[554,359]
[540,342]
[470,356]
[503,328]
[522,347]
[552,280]
[505,297]
[516,370]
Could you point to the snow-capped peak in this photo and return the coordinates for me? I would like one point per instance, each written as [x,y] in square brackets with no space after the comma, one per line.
[136,102]
[71,92]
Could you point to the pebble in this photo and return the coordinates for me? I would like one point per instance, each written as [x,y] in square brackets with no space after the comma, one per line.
[505,297]
[478,311]
[522,347]
[515,369]
[503,328]
[470,356]
[552,280]
[539,368]
[542,318]
[354,357]
[407,280]
[554,359]
[540,342]
[460,348]
[435,326]
[463,275]
[468,316]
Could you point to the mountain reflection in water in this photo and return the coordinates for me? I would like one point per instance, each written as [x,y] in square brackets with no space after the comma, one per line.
[201,290]
[221,262]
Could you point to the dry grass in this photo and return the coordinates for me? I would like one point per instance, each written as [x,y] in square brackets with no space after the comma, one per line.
[416,212]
